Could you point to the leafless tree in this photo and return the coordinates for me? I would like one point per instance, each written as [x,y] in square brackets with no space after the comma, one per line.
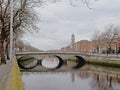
[106,40]
[74,3]
[24,18]
[96,41]
[109,36]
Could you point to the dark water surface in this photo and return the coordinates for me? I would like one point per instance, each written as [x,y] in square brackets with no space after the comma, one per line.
[90,78]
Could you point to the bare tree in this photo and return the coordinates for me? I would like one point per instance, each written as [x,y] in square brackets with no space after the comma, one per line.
[106,40]
[24,18]
[96,41]
[108,37]
[74,3]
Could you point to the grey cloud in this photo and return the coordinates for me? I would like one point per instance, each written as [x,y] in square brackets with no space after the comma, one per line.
[60,20]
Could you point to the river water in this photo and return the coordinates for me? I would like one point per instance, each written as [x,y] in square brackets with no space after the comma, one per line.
[66,78]
[72,80]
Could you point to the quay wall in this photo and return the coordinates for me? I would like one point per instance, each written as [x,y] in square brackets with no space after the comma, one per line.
[14,81]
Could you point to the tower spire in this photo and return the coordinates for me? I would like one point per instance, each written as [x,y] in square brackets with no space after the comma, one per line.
[72,41]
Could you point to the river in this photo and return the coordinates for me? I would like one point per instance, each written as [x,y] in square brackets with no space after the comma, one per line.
[86,78]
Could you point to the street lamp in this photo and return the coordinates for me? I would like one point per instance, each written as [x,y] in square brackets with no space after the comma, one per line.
[116,47]
[11,30]
[116,38]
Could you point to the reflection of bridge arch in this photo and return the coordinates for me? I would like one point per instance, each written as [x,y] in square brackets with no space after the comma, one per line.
[79,62]
[23,59]
[79,59]
[23,67]
[62,56]
[61,62]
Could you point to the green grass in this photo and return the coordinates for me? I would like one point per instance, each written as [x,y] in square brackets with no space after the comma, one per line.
[70,59]
[26,62]
[26,58]
[104,63]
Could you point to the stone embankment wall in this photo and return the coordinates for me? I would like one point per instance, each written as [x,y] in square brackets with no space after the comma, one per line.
[14,81]
[105,57]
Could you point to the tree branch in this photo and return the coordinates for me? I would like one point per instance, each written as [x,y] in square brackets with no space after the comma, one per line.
[6,7]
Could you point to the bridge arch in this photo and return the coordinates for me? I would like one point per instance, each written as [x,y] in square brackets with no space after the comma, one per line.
[80,62]
[61,62]
[22,66]
[59,65]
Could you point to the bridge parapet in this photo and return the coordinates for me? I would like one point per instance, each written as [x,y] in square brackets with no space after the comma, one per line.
[67,55]
[40,55]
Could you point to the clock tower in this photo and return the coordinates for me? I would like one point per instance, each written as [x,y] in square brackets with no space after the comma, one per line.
[72,42]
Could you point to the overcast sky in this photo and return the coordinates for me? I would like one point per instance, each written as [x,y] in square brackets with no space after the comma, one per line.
[60,20]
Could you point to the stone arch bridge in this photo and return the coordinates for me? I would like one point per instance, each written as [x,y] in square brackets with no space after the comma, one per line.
[62,56]
[67,55]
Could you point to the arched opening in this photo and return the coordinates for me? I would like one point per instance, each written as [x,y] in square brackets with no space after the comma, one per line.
[27,62]
[80,62]
[52,62]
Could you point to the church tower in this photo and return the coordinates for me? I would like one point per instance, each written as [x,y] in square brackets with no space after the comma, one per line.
[72,41]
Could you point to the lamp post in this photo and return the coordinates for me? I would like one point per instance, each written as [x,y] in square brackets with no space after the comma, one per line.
[116,38]
[11,30]
[116,48]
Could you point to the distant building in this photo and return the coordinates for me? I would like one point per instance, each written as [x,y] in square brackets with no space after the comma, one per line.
[84,46]
[66,49]
[80,46]
[118,45]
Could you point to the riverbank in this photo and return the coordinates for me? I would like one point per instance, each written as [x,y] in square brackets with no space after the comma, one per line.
[15,78]
[10,77]
[114,64]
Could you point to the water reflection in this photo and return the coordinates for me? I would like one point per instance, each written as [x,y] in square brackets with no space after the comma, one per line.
[72,80]
[71,63]
[53,81]
[27,62]
[105,82]
[50,62]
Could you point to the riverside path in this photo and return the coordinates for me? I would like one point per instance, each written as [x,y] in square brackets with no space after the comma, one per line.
[5,70]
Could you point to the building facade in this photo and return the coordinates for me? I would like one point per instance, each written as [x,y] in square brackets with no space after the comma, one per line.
[85,46]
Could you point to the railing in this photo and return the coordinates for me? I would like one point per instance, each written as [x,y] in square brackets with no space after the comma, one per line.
[36,53]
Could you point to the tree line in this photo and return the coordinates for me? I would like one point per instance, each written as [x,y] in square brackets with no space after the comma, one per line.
[24,19]
[107,39]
